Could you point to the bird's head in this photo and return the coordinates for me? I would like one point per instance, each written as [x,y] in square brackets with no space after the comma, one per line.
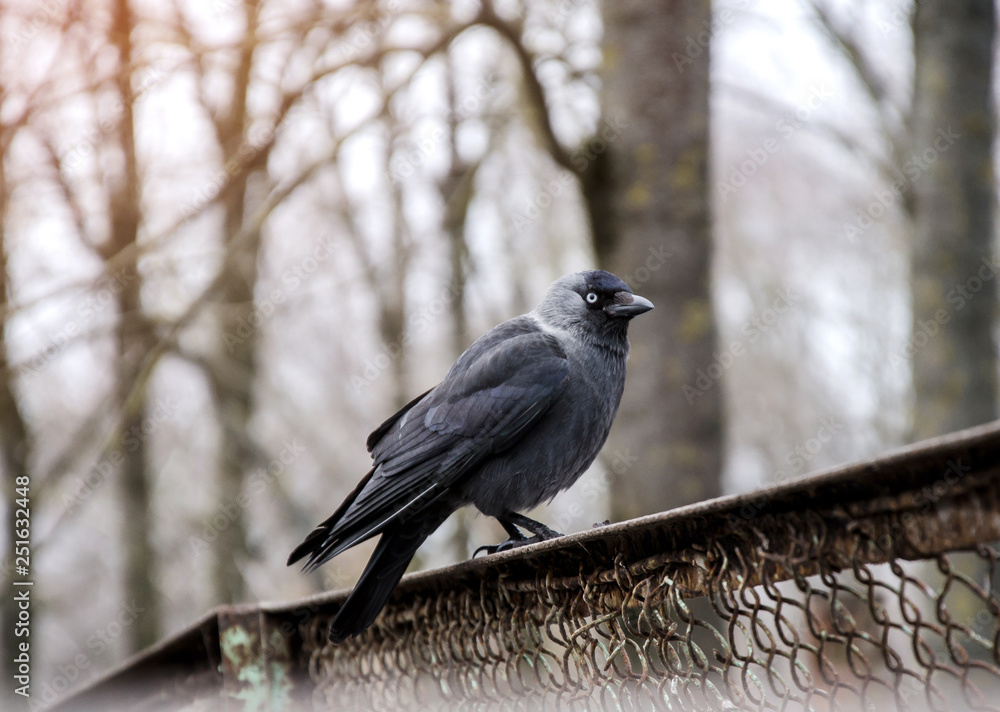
[595,301]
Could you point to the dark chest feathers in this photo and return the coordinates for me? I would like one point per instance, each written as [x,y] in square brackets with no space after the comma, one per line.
[560,446]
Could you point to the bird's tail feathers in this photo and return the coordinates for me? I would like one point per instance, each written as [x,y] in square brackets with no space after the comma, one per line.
[385,568]
[323,543]
[319,544]
[311,546]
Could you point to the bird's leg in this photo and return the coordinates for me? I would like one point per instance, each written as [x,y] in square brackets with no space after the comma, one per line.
[510,522]
[515,540]
[541,532]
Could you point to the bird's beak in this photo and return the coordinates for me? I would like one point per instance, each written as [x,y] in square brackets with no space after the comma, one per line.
[628,305]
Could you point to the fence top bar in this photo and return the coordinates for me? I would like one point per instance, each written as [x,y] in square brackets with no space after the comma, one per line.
[885,482]
[910,468]
[191,653]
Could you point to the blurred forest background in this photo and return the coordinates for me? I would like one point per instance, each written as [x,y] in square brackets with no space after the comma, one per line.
[236,235]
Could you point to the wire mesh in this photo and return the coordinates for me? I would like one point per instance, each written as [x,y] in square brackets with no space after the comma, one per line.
[873,587]
[794,611]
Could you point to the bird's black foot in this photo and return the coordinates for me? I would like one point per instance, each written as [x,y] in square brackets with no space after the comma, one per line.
[541,532]
[598,525]
[512,543]
[491,549]
[518,539]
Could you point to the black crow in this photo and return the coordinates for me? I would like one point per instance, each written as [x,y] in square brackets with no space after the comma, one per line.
[519,417]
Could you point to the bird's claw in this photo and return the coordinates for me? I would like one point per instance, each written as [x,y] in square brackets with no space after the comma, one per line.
[543,533]
[491,549]
[513,543]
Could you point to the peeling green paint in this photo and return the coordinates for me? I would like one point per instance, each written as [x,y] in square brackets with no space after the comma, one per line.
[238,646]
[280,672]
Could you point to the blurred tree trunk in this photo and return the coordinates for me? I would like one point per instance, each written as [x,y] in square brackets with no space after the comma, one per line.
[134,341]
[234,369]
[14,448]
[648,196]
[456,191]
[954,279]
[391,288]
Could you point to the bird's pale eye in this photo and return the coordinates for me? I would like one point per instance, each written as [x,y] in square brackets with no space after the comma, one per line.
[591,297]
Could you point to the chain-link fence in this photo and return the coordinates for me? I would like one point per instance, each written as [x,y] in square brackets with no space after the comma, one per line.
[873,587]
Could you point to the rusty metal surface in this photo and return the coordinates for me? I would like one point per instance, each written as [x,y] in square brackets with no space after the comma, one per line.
[869,587]
[179,673]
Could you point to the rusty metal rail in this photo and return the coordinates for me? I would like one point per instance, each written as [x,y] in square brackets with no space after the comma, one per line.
[874,586]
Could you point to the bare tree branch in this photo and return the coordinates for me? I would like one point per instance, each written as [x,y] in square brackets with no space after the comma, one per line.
[535,91]
[892,121]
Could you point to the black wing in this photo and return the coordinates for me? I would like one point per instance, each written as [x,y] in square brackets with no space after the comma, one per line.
[381,430]
[426,447]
